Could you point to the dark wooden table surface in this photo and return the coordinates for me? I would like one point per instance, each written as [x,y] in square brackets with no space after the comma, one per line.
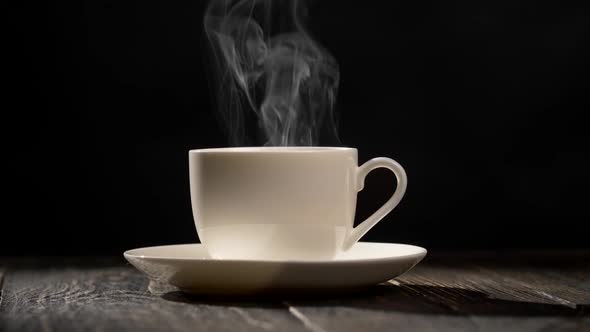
[509,291]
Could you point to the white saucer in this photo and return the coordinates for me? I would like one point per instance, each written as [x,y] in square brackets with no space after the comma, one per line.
[189,267]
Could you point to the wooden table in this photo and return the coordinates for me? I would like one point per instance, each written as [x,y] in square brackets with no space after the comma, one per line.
[510,291]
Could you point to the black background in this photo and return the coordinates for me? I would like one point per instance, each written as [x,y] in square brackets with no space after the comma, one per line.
[483,102]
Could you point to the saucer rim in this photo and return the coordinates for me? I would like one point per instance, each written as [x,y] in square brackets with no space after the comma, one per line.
[419,255]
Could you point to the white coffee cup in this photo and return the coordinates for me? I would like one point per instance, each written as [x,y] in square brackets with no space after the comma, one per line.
[294,203]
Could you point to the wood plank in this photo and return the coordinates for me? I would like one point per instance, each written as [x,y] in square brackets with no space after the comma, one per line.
[119,298]
[417,307]
[459,295]
[383,308]
[547,283]
[464,281]
[560,280]
[438,295]
[492,300]
[1,283]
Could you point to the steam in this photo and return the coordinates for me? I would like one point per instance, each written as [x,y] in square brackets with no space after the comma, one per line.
[267,65]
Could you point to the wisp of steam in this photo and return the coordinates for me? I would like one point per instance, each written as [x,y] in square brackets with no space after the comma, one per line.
[268,66]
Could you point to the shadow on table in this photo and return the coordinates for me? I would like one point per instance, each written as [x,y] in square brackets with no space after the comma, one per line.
[422,299]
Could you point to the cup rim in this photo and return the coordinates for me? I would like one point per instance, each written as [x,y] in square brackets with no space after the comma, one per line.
[273,149]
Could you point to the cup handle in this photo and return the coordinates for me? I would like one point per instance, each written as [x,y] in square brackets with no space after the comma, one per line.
[402,182]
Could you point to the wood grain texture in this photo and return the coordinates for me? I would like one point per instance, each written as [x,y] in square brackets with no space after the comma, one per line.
[113,299]
[1,283]
[452,293]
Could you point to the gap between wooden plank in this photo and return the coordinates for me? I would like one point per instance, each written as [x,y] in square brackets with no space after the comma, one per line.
[303,319]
